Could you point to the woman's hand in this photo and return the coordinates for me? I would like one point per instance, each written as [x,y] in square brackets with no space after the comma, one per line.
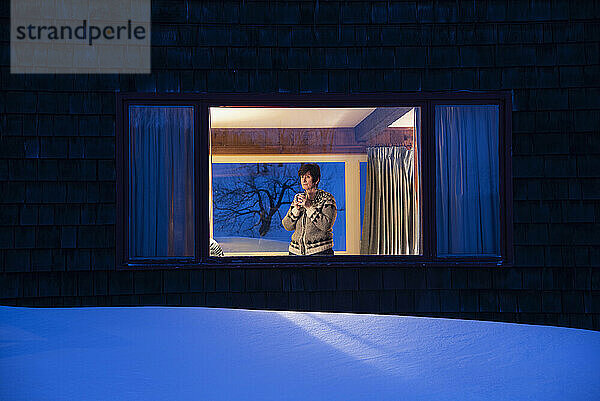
[299,201]
[303,201]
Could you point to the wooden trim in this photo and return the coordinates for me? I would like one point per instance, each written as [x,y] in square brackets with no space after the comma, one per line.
[352,191]
[501,182]
[393,99]
[302,140]
[428,157]
[417,145]
[312,262]
[203,180]
[122,258]
[295,158]
[120,213]
[378,121]
[292,150]
[507,193]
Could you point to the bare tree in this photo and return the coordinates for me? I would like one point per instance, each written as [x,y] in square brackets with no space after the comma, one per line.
[252,196]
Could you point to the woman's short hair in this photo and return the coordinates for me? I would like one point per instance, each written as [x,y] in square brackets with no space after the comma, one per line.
[313,169]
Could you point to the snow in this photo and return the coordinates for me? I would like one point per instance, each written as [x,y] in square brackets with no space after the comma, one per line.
[241,244]
[160,353]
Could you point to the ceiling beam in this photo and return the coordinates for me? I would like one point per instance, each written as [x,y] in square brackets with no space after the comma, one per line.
[377,121]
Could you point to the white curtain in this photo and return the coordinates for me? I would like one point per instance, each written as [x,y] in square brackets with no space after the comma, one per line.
[391,219]
[161,181]
[467,183]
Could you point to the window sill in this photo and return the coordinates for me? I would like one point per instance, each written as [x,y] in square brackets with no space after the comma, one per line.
[318,262]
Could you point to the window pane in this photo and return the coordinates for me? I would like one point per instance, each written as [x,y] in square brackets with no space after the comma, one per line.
[251,199]
[161,182]
[366,200]
[467,180]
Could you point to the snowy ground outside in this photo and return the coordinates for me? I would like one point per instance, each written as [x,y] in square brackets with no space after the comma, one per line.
[242,244]
[160,353]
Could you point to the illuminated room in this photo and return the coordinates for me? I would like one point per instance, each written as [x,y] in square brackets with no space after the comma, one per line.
[369,162]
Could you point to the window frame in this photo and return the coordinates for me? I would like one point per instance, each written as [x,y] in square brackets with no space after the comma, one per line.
[308,158]
[202,103]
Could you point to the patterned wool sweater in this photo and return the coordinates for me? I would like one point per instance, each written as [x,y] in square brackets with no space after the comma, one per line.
[312,226]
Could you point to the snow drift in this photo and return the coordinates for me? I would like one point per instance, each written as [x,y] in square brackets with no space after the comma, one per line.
[159,353]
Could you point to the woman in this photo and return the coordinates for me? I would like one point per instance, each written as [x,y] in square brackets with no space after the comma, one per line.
[311,216]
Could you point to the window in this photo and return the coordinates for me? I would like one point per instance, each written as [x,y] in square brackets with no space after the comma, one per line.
[161,182]
[418,178]
[467,180]
[251,196]
[256,155]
